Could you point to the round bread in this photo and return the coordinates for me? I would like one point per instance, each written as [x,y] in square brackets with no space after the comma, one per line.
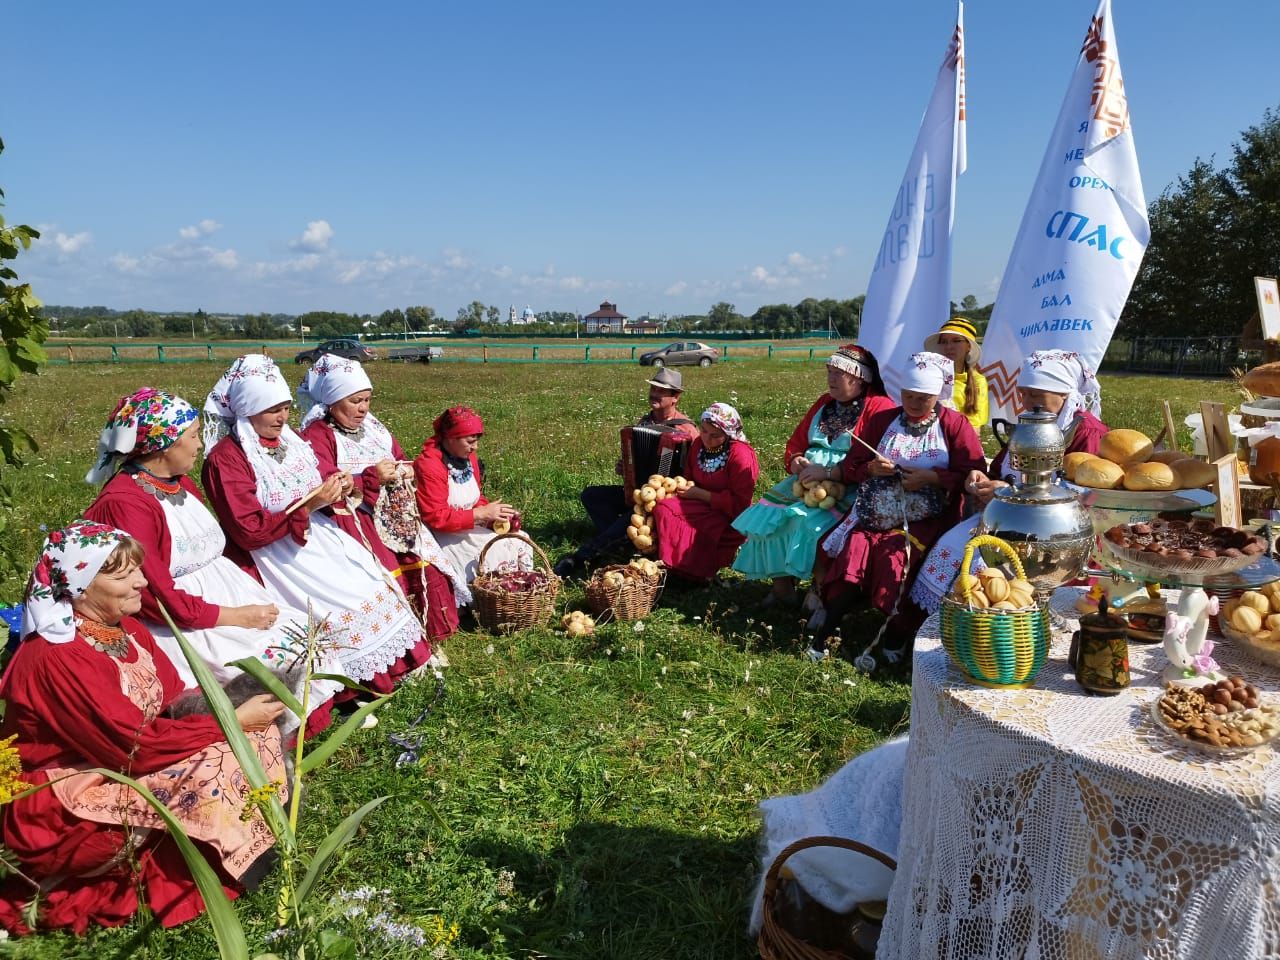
[1263,380]
[1189,474]
[1149,476]
[1125,447]
[1168,456]
[1072,460]
[1099,473]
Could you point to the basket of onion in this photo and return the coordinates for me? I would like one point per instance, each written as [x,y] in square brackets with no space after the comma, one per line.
[514,599]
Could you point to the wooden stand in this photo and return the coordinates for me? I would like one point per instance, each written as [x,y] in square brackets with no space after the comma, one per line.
[1227,488]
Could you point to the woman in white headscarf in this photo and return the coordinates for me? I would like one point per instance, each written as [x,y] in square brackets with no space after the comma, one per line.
[337,421]
[909,492]
[256,469]
[1056,381]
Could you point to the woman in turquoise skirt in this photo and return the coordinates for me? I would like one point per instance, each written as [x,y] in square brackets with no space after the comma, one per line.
[782,531]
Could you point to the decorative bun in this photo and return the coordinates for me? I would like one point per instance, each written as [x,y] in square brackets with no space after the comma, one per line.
[1168,456]
[1099,473]
[1125,447]
[1193,473]
[1263,380]
[1073,460]
[1149,476]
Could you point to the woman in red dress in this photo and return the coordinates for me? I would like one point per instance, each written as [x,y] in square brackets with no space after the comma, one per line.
[347,437]
[695,528]
[88,687]
[910,493]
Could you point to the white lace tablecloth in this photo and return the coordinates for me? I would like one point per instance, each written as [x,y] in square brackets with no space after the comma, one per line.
[1051,823]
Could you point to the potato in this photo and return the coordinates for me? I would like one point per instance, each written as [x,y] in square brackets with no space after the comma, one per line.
[827,504]
[648,494]
[1246,619]
[637,521]
[797,489]
[669,484]
[648,506]
[1252,598]
[644,543]
[819,493]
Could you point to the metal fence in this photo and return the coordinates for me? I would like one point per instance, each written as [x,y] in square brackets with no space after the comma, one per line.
[1183,356]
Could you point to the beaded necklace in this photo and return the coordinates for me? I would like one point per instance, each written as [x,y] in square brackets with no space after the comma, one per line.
[712,460]
[917,428]
[356,434]
[112,641]
[166,491]
[837,417]
[275,449]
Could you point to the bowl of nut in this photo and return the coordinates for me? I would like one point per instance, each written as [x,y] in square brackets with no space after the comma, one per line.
[1228,717]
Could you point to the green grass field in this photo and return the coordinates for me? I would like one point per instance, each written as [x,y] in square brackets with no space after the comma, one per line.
[577,798]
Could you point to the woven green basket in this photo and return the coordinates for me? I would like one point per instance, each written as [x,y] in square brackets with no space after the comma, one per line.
[994,648]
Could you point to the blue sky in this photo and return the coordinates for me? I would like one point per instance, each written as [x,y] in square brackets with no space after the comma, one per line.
[288,157]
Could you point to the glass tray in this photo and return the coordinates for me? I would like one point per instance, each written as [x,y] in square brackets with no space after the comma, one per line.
[1200,745]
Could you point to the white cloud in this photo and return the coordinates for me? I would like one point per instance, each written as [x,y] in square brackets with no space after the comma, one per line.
[71,243]
[315,239]
[454,260]
[201,229]
[676,289]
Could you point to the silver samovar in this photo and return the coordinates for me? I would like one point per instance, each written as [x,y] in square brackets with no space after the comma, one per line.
[1045,522]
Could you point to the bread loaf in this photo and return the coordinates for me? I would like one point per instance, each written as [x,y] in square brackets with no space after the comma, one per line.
[1149,476]
[1125,447]
[1193,473]
[1099,473]
[1073,460]
[1263,380]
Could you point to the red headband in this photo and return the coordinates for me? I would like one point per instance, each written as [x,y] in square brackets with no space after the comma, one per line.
[457,422]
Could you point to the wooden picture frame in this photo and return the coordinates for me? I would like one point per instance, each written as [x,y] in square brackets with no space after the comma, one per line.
[1268,293]
[1227,487]
[1218,441]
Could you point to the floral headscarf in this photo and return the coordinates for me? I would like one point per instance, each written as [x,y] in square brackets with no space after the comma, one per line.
[1062,371]
[726,418]
[929,373]
[146,421]
[330,379]
[69,561]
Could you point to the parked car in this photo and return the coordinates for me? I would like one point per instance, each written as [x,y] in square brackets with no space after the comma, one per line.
[415,354]
[346,348]
[685,352]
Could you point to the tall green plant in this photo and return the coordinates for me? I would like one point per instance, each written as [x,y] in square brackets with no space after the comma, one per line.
[22,331]
[300,870]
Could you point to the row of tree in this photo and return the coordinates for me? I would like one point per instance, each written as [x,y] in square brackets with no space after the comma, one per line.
[1212,232]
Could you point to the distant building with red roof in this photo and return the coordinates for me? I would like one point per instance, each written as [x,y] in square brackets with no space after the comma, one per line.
[605,320]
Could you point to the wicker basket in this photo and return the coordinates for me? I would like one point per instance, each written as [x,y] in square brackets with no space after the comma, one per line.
[814,932]
[631,601]
[499,609]
[994,648]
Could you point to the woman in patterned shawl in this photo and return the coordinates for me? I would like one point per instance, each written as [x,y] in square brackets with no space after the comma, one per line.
[145,453]
[89,687]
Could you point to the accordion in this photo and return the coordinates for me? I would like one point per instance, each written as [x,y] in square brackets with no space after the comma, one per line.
[648,450]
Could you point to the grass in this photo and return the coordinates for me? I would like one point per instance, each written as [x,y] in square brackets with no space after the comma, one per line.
[577,798]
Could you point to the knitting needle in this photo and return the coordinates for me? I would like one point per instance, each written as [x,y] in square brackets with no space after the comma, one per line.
[294,506]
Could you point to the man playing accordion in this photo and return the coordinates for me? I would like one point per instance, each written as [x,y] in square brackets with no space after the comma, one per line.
[609,505]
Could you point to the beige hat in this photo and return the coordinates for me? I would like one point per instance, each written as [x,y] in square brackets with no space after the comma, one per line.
[667,380]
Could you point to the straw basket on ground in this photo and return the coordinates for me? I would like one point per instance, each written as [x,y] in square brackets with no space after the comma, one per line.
[993,647]
[625,590]
[504,601]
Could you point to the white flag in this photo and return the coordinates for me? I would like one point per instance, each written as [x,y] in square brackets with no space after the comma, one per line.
[1083,233]
[909,296]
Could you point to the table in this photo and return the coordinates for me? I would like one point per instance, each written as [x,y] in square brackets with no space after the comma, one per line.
[1052,823]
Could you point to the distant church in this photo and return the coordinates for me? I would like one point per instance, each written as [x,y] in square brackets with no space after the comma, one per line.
[526,316]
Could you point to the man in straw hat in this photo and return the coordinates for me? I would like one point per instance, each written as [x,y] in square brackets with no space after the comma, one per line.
[608,504]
